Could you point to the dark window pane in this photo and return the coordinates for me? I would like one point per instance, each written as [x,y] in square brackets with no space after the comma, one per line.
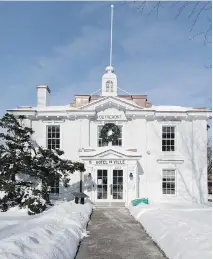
[164,185]
[53,129]
[164,135]
[168,142]
[120,195]
[120,172]
[57,135]
[104,180]
[168,135]
[163,148]
[115,173]
[99,173]
[99,194]
[120,179]
[164,129]
[114,195]
[168,148]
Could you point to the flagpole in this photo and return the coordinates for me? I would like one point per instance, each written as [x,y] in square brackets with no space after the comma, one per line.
[112,6]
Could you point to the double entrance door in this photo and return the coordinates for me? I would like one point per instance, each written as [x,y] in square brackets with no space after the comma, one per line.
[109,184]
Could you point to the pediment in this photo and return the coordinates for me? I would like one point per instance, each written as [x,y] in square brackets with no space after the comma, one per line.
[111,102]
[112,153]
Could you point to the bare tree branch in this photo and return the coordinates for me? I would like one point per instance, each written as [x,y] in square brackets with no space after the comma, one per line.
[181,9]
[156,6]
[142,6]
[195,11]
[198,15]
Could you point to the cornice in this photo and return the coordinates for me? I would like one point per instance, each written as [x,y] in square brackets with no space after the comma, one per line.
[130,114]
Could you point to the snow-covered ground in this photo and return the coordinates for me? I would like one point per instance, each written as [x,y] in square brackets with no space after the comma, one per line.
[53,234]
[182,231]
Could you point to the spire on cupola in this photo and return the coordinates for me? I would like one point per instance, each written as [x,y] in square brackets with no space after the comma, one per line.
[109,79]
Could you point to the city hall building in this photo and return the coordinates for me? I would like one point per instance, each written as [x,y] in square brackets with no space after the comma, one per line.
[130,147]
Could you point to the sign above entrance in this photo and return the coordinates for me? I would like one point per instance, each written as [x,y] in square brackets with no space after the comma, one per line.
[109,117]
[110,162]
[111,114]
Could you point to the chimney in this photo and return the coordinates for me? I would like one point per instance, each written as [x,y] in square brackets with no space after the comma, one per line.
[43,92]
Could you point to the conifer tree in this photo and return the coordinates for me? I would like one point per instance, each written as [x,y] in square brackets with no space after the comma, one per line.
[19,156]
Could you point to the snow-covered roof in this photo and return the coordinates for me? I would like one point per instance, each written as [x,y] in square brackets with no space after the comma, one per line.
[135,106]
[46,108]
[55,108]
[128,101]
[177,108]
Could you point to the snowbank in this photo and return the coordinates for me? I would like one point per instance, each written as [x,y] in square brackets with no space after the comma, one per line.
[182,231]
[54,233]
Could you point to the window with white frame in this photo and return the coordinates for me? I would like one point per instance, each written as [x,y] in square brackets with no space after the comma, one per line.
[168,181]
[109,86]
[53,137]
[118,142]
[168,138]
[54,186]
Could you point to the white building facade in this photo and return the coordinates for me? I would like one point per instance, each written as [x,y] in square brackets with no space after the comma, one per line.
[161,152]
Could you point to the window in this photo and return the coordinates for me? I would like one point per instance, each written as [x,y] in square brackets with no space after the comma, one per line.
[54,186]
[168,181]
[53,137]
[109,86]
[118,142]
[168,138]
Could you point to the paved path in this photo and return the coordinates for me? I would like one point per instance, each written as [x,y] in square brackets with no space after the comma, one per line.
[114,234]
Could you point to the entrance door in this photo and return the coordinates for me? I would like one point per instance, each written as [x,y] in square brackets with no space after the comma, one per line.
[117,185]
[102,185]
[109,185]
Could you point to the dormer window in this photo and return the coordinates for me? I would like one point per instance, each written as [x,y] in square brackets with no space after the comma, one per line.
[109,86]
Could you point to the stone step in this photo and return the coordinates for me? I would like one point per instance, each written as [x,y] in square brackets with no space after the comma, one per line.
[109,204]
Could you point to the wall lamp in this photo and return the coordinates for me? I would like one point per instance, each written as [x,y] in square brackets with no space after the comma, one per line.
[131,176]
[89,177]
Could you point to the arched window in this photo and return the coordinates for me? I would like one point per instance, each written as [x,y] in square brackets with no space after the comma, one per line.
[109,86]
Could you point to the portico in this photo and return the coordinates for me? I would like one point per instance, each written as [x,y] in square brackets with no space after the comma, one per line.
[111,174]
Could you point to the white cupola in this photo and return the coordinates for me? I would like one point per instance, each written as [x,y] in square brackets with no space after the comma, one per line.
[109,82]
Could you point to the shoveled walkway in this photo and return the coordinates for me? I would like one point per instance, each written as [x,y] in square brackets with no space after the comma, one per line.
[114,234]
